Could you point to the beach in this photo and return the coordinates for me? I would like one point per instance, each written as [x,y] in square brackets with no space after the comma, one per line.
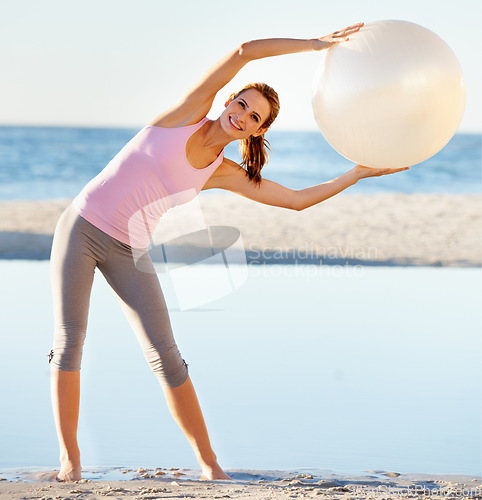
[336,351]
[377,229]
[379,234]
[154,484]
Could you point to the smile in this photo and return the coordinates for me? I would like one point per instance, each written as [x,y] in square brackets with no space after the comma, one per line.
[234,125]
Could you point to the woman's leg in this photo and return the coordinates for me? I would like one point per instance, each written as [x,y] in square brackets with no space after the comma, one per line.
[185,409]
[76,248]
[65,389]
[143,303]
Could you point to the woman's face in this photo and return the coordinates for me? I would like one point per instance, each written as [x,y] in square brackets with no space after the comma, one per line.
[245,114]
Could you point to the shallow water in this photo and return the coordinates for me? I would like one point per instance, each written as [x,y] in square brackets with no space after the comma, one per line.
[346,369]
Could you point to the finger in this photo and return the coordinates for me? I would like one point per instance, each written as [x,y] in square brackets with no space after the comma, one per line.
[354,28]
[347,31]
[377,172]
[395,170]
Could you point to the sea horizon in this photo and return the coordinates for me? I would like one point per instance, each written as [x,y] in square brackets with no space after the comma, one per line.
[52,162]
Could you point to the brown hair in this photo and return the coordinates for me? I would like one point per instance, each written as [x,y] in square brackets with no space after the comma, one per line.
[253,150]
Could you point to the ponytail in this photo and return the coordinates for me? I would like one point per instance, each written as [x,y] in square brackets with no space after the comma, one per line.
[254,156]
[254,149]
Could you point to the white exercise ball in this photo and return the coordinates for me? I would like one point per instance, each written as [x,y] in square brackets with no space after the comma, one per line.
[391,96]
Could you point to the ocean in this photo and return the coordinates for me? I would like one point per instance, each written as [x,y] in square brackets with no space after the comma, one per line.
[56,162]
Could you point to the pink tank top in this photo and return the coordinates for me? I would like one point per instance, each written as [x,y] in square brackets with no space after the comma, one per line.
[150,175]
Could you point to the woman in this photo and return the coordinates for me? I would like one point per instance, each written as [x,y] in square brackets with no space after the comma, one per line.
[168,162]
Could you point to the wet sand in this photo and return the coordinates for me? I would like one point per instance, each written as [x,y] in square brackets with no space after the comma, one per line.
[257,485]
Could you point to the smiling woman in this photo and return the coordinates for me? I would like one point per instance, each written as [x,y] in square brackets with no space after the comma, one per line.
[253,148]
[109,226]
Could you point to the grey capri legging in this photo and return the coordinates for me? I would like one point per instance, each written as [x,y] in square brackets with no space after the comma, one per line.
[78,248]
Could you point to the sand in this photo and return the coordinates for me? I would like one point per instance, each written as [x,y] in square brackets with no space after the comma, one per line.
[395,229]
[382,229]
[257,485]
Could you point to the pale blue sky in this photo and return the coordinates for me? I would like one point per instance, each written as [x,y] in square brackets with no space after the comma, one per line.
[119,63]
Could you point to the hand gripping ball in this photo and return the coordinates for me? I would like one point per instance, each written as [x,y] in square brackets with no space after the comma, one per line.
[392,96]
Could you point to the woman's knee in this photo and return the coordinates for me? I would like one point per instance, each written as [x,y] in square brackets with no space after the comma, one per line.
[168,365]
[66,353]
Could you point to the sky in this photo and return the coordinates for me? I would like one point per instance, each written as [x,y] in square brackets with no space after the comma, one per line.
[120,63]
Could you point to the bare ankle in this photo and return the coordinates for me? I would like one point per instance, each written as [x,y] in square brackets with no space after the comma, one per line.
[211,470]
[70,462]
[214,474]
[70,474]
[70,468]
[207,459]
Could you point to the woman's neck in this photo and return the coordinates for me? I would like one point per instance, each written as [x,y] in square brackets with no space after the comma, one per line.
[214,137]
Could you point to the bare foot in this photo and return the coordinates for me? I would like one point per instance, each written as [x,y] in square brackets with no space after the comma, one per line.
[69,475]
[214,473]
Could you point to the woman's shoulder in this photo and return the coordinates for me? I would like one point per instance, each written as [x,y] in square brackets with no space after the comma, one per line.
[228,174]
[181,115]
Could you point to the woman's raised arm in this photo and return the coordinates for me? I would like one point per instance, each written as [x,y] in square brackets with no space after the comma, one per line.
[198,100]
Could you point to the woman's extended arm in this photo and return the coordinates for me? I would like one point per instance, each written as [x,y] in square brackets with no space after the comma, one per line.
[310,196]
[232,177]
[198,100]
